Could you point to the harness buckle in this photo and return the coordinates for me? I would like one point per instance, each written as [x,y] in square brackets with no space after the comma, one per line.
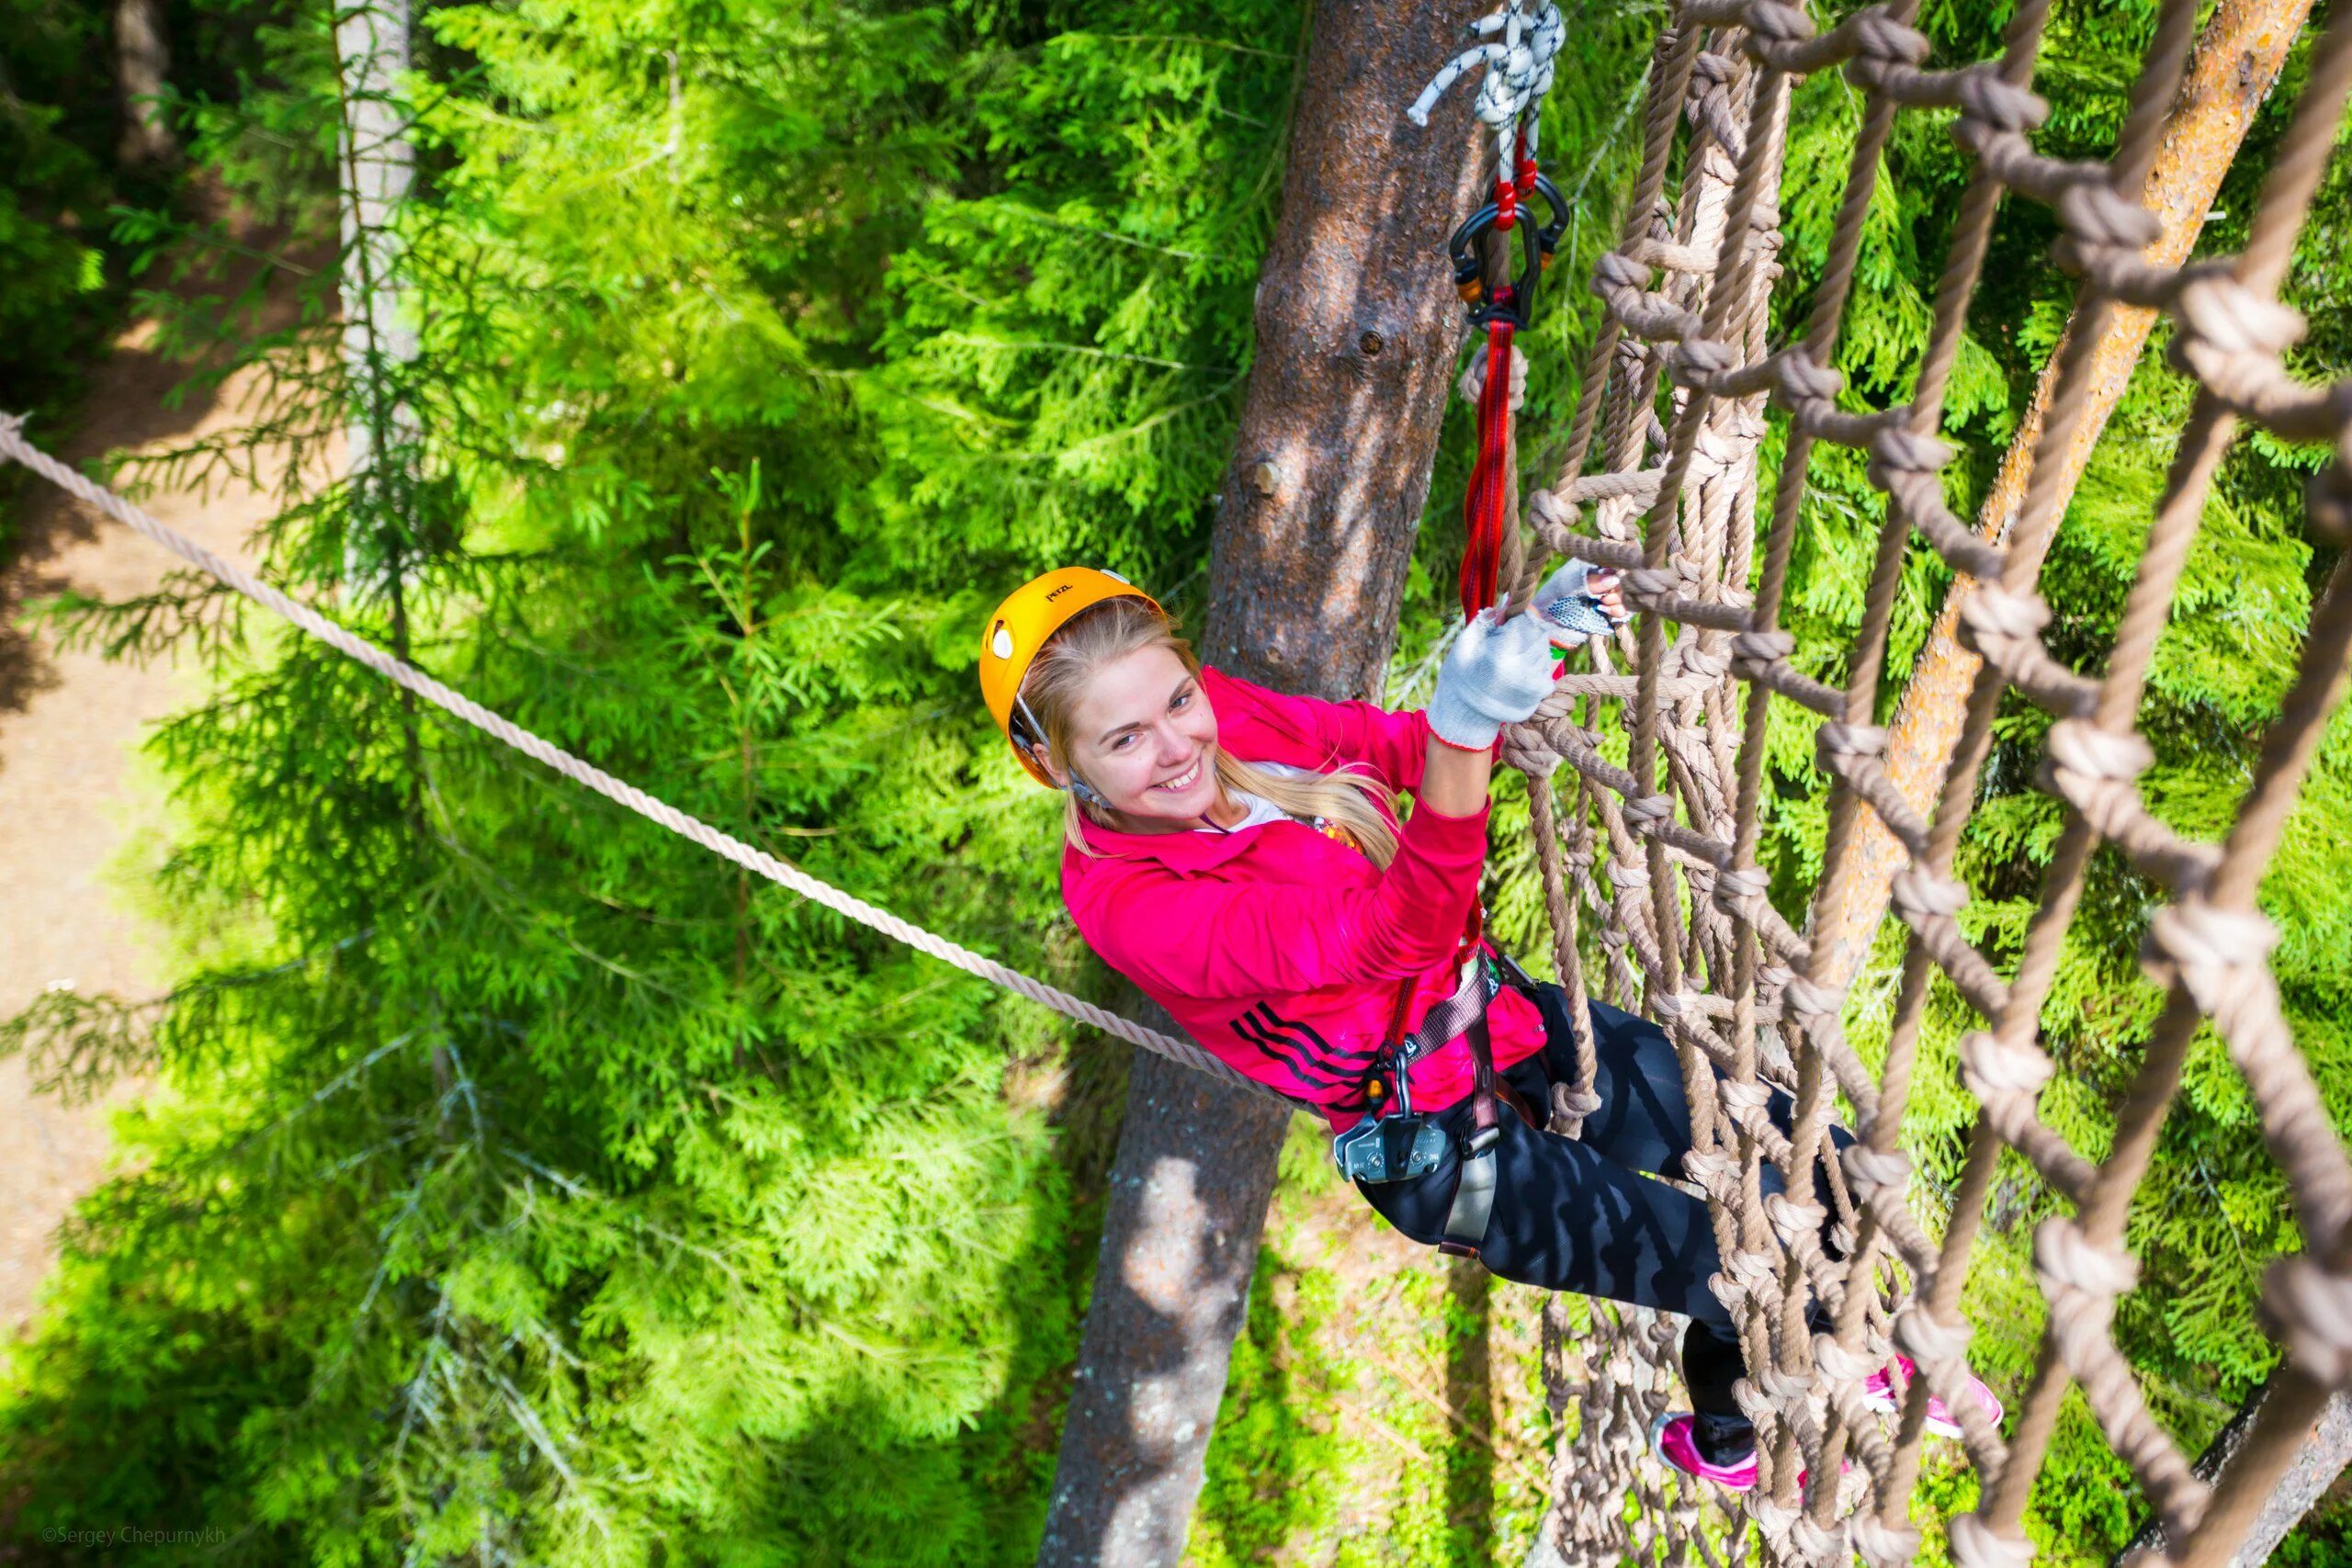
[1381,1149]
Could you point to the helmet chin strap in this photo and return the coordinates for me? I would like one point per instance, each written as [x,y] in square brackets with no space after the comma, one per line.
[1078,788]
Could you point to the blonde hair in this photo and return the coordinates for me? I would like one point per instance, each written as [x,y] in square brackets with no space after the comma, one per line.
[1117,627]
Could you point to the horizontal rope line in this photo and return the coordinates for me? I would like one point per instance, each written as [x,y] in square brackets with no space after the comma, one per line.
[498,727]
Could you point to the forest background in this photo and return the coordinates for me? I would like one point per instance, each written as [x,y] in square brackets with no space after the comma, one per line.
[519,1184]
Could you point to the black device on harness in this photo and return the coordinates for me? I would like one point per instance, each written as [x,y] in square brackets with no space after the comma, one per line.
[1396,1143]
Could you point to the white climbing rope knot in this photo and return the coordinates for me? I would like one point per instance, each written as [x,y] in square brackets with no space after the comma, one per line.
[1522,42]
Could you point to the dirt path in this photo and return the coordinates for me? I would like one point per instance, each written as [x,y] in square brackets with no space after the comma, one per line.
[70,725]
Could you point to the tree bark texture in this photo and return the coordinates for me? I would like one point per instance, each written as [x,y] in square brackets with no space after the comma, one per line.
[2317,1463]
[1357,330]
[143,58]
[2236,61]
[376,164]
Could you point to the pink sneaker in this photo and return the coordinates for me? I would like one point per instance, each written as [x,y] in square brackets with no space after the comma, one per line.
[1675,1438]
[1884,1394]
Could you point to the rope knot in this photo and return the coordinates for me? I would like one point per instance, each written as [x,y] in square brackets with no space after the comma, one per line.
[1573,1104]
[1920,895]
[1546,508]
[2068,1260]
[1754,652]
[1992,1066]
[1838,1362]
[1715,70]
[1803,379]
[1750,1275]
[1700,358]
[1646,813]
[1792,1222]
[1518,68]
[1929,1341]
[2096,214]
[1740,1096]
[2084,748]
[1975,1545]
[1883,38]
[1993,616]
[1990,103]
[1882,1545]
[2311,1309]
[1868,1169]
[2217,309]
[1525,748]
[1841,740]
[1715,1175]
[1647,582]
[2204,948]
[1899,449]
[1885,49]
[1807,1001]
[1705,664]
[1785,1386]
[1628,876]
[1817,1542]
[1616,271]
[1741,892]
[1773,1521]
[1778,20]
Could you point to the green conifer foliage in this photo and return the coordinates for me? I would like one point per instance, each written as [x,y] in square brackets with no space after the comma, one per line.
[533,1186]
[55,118]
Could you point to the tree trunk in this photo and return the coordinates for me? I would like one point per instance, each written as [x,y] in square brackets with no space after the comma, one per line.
[2317,1465]
[2236,61]
[376,163]
[1357,330]
[143,58]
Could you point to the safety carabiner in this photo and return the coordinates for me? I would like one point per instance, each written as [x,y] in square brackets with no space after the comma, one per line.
[1486,302]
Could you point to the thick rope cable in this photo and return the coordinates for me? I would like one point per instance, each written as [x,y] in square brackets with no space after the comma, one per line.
[12,445]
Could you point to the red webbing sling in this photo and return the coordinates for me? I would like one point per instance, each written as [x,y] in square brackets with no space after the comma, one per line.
[1485,505]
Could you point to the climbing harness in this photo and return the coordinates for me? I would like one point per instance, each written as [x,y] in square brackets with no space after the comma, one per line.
[1524,41]
[1393,1142]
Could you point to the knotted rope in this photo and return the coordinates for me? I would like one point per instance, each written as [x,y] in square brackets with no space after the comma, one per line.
[1662,848]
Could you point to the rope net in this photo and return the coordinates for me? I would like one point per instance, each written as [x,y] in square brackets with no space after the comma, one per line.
[1661,851]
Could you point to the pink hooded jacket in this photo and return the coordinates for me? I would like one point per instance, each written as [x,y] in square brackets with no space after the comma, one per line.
[1279,948]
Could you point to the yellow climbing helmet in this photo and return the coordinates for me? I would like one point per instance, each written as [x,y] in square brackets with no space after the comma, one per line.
[1027,619]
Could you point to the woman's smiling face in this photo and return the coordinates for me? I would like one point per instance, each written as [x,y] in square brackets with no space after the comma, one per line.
[1143,736]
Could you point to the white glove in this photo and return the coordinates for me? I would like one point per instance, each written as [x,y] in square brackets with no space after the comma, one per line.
[1473,384]
[1570,602]
[1493,675]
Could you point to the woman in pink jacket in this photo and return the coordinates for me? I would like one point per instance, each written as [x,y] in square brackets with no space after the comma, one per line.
[1238,855]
